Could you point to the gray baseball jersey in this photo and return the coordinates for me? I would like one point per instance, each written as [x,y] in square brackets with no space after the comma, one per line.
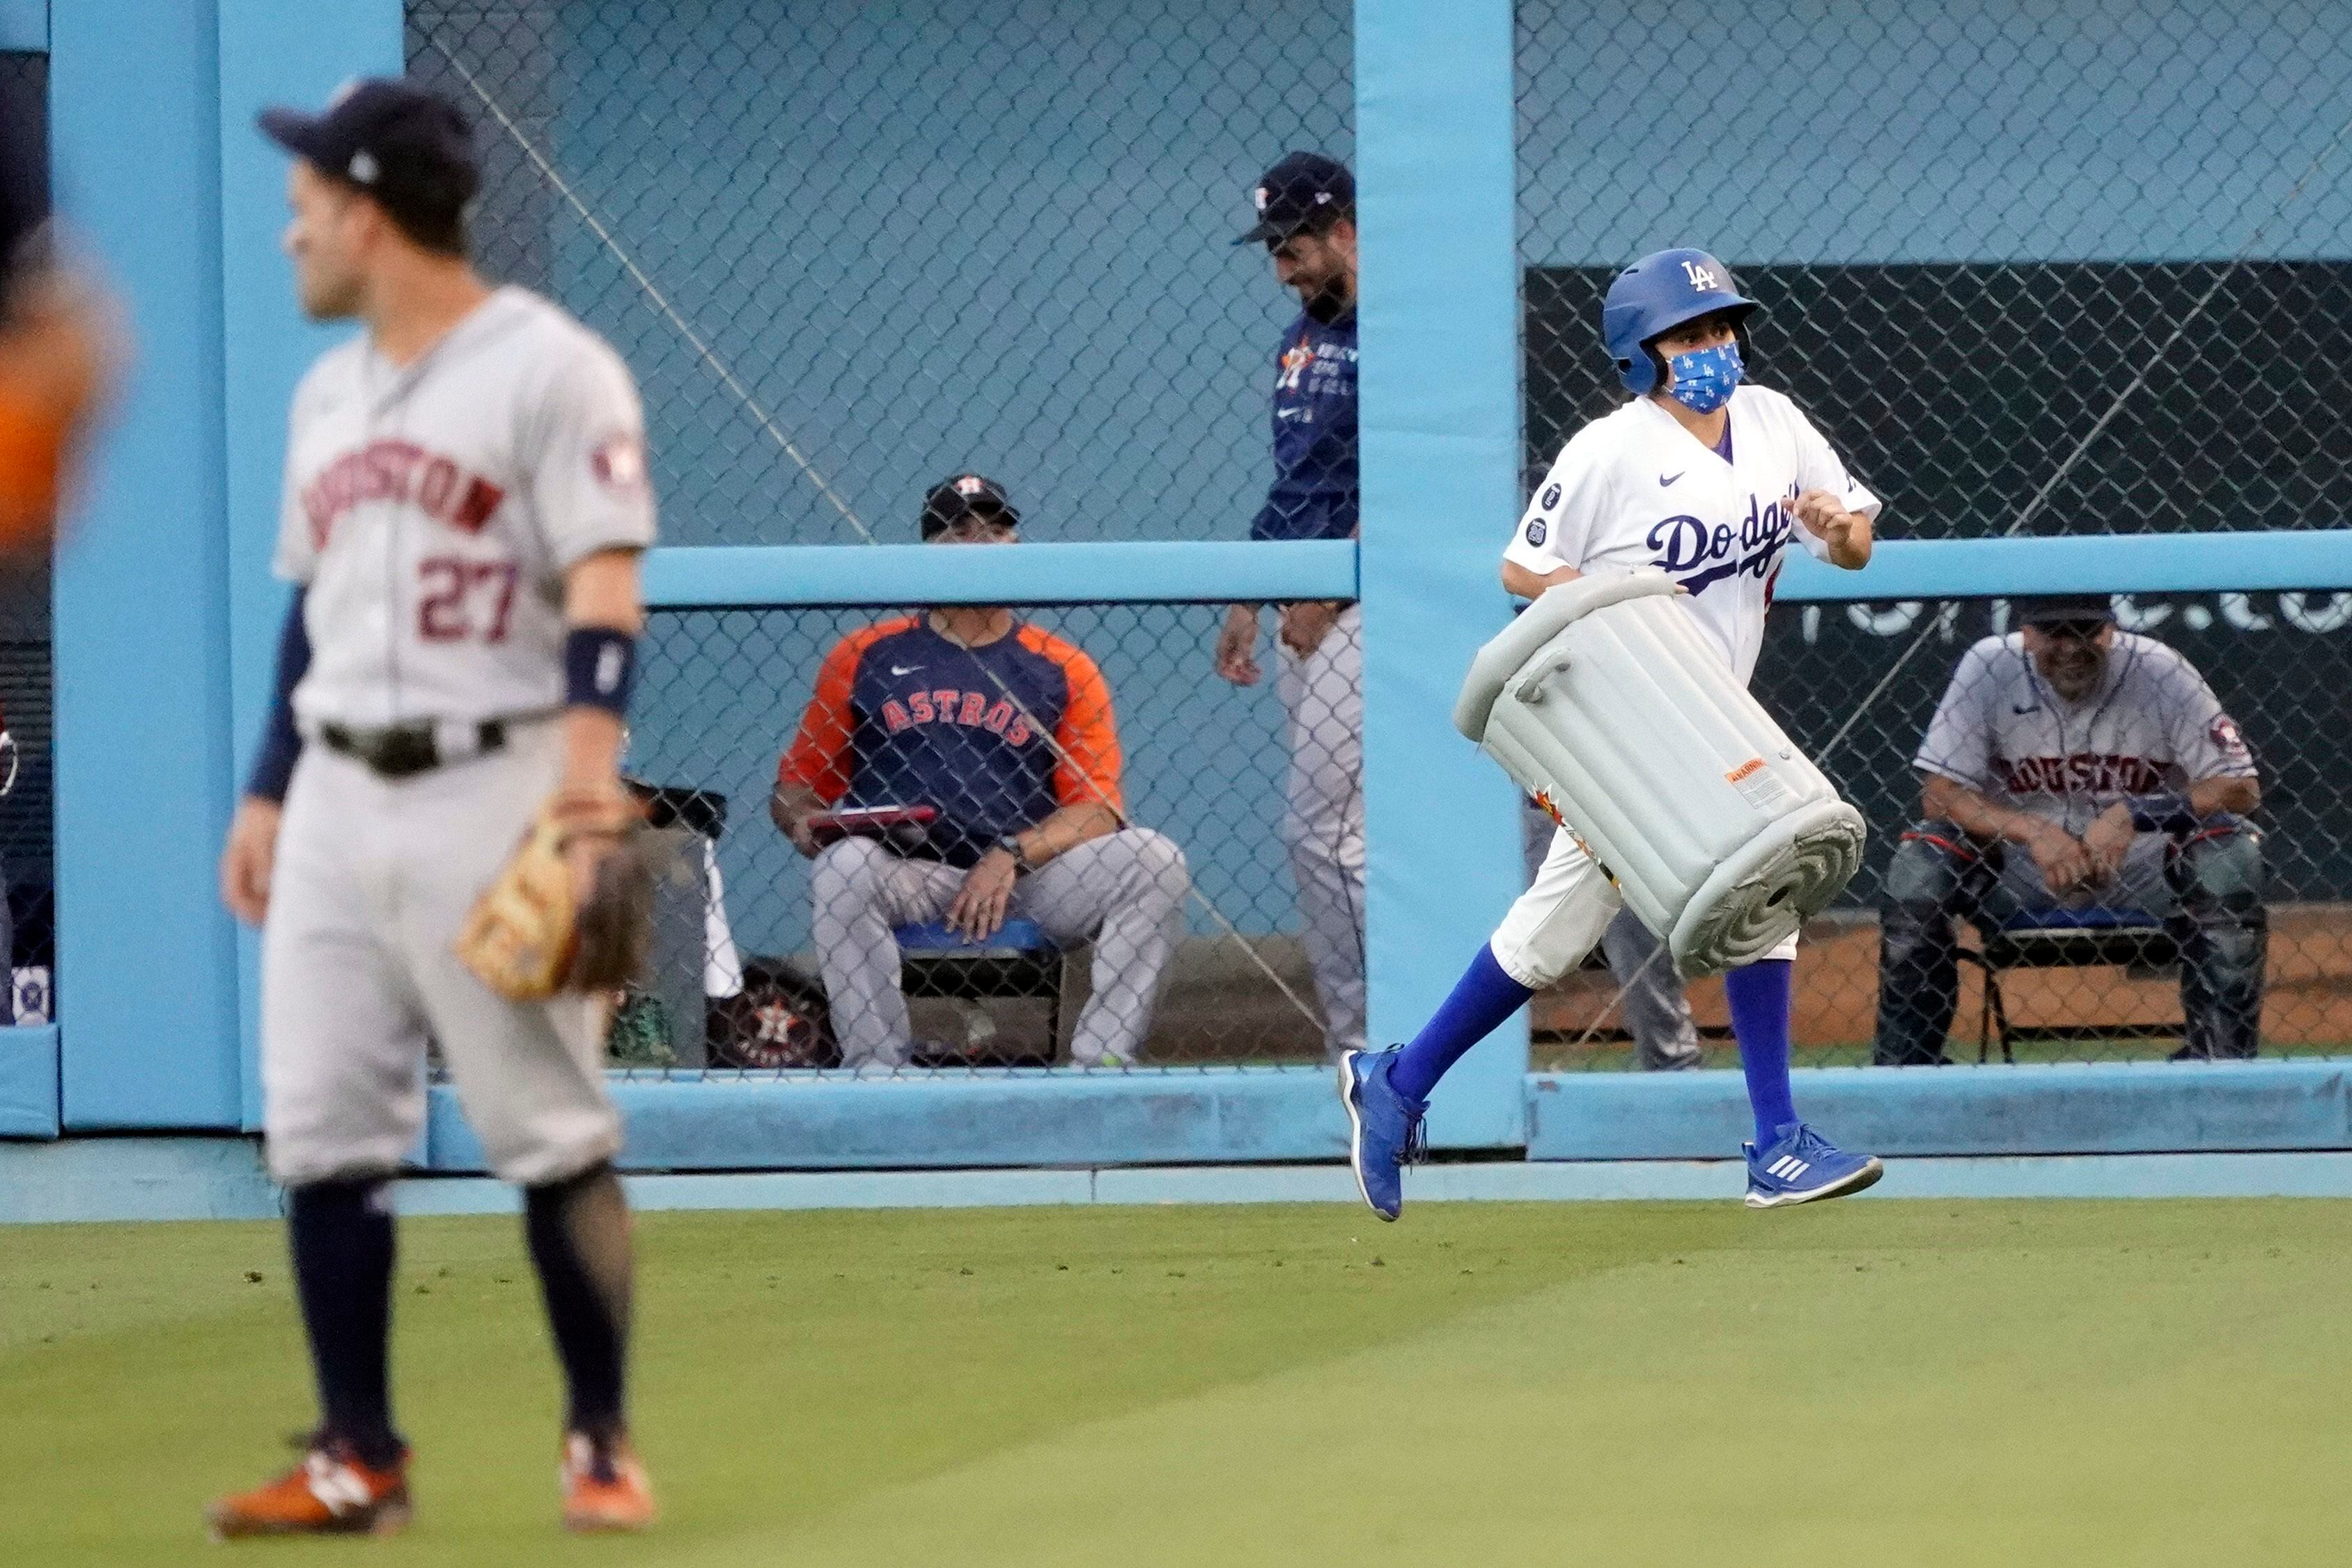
[2152,724]
[433,509]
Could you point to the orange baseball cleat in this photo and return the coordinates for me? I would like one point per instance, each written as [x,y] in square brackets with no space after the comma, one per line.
[332,1492]
[605,1488]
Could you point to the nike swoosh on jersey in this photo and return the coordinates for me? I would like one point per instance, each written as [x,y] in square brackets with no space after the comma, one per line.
[2031,707]
[1667,479]
[904,669]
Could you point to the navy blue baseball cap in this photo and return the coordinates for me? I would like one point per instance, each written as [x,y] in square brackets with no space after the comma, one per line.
[2060,609]
[950,501]
[411,150]
[1305,191]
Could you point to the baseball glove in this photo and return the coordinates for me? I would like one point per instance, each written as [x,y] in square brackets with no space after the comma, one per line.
[533,933]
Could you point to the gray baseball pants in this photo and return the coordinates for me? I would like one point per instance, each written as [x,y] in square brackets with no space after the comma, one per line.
[1323,824]
[1123,892]
[372,879]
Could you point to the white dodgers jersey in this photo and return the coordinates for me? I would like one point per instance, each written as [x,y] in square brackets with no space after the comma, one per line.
[1635,489]
[432,510]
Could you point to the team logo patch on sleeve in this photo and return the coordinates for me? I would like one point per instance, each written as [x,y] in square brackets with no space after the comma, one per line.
[619,463]
[1551,496]
[2226,735]
[1536,531]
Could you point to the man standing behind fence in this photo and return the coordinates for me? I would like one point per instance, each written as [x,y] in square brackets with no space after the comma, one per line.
[1307,221]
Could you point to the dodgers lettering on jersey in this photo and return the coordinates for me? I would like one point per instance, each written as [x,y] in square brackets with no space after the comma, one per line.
[1316,493]
[433,510]
[2152,723]
[1634,489]
[902,716]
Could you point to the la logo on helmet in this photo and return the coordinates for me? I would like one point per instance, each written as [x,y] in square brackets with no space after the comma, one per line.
[1701,278]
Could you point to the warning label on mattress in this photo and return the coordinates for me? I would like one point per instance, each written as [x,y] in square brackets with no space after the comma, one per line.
[1759,786]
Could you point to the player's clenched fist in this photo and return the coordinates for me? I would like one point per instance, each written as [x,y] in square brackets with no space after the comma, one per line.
[246,859]
[1846,533]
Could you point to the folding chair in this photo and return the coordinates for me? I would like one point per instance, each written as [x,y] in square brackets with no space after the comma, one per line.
[2129,939]
[1020,962]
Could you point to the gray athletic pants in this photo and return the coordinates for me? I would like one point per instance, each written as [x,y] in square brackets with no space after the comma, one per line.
[1124,893]
[371,881]
[1323,825]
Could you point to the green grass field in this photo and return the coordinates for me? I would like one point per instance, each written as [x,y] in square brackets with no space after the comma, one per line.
[1893,1382]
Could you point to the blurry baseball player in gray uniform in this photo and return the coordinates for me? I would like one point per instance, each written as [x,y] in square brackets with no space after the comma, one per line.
[1307,221]
[465,503]
[2074,767]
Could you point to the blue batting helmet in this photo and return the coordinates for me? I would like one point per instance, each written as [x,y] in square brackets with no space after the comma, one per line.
[1659,292]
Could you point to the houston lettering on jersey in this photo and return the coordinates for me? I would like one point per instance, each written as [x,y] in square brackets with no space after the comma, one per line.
[2083,773]
[398,471]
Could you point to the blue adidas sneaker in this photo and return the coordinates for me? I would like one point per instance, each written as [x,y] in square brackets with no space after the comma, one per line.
[1384,1130]
[1802,1167]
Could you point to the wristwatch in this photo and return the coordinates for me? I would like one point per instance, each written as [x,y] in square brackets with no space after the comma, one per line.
[1011,844]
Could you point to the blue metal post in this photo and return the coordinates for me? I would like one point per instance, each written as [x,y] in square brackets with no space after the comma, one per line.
[146,960]
[1441,431]
[271,51]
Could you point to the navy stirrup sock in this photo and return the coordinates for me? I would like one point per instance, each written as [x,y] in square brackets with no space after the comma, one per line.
[1760,995]
[1482,1001]
[579,1236]
[341,1236]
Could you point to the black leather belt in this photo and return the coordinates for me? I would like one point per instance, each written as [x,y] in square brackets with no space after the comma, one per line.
[404,750]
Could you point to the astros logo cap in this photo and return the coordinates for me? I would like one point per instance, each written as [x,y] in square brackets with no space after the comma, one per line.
[966,495]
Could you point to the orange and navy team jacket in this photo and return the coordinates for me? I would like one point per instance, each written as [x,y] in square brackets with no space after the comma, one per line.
[904,717]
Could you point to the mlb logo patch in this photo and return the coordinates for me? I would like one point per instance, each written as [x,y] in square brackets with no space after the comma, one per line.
[619,463]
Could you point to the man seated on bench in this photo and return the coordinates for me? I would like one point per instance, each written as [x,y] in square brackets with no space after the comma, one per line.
[991,743]
[2071,767]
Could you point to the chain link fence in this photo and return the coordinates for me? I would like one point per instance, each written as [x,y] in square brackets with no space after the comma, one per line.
[849,248]
[2034,270]
[28,699]
[2098,974]
[1159,925]
[2044,269]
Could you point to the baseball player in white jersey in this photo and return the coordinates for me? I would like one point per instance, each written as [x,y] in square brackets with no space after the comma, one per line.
[1708,479]
[2076,775]
[466,500]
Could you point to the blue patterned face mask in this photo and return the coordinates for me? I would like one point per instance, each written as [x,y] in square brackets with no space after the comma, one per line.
[1704,377]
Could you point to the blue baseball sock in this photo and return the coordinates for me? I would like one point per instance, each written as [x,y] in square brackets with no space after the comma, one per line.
[1759,995]
[1482,1000]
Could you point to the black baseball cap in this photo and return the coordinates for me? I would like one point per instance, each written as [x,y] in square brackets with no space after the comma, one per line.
[950,501]
[410,149]
[2060,608]
[1305,191]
